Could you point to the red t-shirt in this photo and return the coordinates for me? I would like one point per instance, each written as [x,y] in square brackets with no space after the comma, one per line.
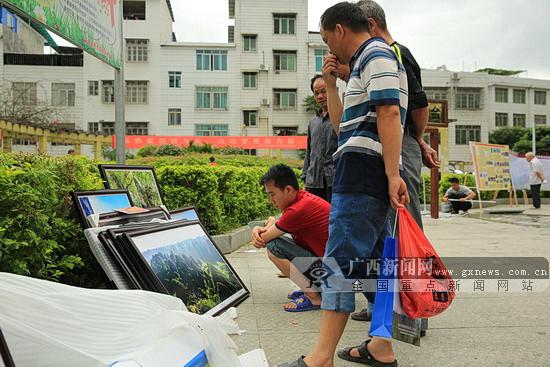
[307,221]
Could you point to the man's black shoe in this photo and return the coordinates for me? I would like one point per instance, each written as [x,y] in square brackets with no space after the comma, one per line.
[363,315]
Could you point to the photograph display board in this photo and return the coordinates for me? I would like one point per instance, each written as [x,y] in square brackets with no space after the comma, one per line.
[520,170]
[140,181]
[93,25]
[188,264]
[99,202]
[491,166]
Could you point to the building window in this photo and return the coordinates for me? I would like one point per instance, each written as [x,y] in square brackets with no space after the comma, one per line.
[250,118]
[174,116]
[540,97]
[467,133]
[284,99]
[63,94]
[213,60]
[174,79]
[231,9]
[211,130]
[501,119]
[285,130]
[24,93]
[137,91]
[249,42]
[93,127]
[439,94]
[108,127]
[285,60]
[284,23]
[137,128]
[468,99]
[108,91]
[519,120]
[249,80]
[133,10]
[501,95]
[211,98]
[136,50]
[320,54]
[540,120]
[93,87]
[519,96]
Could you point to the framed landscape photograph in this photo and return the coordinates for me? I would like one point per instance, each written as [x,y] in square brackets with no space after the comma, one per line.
[189,213]
[7,359]
[140,181]
[190,266]
[99,202]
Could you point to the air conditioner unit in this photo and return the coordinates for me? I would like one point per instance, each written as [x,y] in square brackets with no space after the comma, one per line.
[265,102]
[263,67]
[455,76]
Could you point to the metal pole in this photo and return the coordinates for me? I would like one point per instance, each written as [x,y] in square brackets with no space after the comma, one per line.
[120,123]
[534,141]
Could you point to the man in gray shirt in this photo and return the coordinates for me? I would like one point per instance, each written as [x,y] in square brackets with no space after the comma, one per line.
[459,196]
[322,142]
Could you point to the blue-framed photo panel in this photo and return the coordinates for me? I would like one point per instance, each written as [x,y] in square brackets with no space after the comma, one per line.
[99,202]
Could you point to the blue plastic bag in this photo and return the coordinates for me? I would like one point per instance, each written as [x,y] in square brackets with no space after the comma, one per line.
[388,318]
[382,315]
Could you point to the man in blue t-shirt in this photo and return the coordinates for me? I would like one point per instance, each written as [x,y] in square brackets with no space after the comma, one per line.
[367,180]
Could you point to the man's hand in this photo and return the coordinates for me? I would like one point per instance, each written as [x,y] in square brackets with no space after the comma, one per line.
[330,70]
[463,199]
[257,240]
[445,199]
[397,190]
[429,155]
[343,71]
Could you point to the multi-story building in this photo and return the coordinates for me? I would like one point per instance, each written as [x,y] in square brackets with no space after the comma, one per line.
[254,84]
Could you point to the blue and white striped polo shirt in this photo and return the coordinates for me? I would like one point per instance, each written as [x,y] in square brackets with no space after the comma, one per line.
[377,78]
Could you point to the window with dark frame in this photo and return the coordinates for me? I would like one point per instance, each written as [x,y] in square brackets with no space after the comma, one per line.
[250,118]
[284,23]
[467,133]
[501,119]
[93,87]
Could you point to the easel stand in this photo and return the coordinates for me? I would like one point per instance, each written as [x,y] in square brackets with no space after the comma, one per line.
[512,197]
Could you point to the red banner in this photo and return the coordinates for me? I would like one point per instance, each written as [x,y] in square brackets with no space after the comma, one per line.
[244,142]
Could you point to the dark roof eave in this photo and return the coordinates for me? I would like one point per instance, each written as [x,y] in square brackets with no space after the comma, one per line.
[170,9]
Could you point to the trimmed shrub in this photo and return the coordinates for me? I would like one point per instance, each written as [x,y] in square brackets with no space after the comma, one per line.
[39,233]
[146,151]
[168,150]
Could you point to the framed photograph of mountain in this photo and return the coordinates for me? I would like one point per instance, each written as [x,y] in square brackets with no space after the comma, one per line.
[99,202]
[189,213]
[140,181]
[5,354]
[189,266]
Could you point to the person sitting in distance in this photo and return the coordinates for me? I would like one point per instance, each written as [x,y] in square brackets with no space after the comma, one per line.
[461,193]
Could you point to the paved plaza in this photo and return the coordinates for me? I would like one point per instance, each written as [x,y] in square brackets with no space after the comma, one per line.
[479,329]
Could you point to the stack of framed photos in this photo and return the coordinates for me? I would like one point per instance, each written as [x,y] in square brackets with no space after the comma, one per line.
[177,258]
[173,255]
[110,207]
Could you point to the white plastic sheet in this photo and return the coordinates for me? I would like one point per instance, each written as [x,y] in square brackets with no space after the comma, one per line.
[50,324]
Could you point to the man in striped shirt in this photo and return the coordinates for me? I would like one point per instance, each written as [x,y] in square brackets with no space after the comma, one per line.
[367,180]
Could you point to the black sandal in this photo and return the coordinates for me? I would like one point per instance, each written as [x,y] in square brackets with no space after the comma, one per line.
[364,356]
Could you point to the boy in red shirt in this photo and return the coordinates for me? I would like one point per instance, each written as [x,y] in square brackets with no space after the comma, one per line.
[305,216]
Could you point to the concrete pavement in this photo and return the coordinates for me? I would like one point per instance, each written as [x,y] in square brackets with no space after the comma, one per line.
[479,329]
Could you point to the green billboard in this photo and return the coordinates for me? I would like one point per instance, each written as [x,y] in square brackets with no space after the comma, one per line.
[93,25]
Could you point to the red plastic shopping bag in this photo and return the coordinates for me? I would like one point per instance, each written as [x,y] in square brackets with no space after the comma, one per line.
[426,288]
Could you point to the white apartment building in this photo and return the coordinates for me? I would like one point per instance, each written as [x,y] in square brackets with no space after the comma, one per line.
[254,84]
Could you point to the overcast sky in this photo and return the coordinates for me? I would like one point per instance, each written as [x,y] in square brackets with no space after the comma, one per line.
[461,34]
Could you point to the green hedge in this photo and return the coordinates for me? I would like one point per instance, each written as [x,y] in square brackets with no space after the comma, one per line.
[221,159]
[226,197]
[39,233]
